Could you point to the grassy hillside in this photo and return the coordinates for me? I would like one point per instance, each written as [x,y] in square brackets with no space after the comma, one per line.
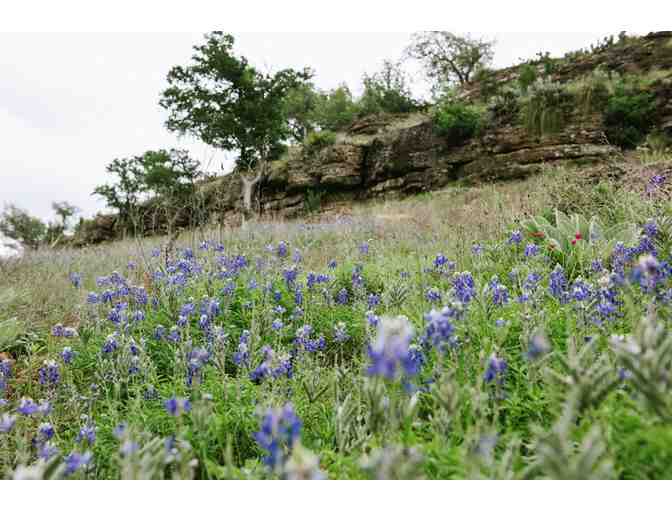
[444,336]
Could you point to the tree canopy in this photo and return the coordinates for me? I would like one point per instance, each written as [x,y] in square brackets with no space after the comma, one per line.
[224,101]
[448,58]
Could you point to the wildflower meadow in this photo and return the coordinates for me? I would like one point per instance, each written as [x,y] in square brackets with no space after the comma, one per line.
[532,345]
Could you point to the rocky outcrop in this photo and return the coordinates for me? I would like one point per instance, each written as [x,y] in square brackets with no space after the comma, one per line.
[403,155]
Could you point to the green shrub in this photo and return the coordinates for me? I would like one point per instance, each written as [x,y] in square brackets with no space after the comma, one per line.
[335,110]
[544,108]
[313,201]
[505,105]
[487,81]
[527,76]
[629,115]
[457,121]
[387,91]
[591,94]
[318,140]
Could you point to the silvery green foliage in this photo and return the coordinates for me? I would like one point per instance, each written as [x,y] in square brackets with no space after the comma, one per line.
[302,464]
[349,430]
[394,463]
[586,376]
[395,294]
[484,464]
[558,457]
[388,410]
[646,358]
[446,394]
[53,469]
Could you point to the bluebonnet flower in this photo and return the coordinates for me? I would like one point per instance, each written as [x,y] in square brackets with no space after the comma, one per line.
[558,284]
[46,430]
[49,373]
[581,291]
[516,237]
[174,335]
[159,332]
[650,229]
[332,264]
[596,266]
[495,370]
[500,294]
[373,300]
[57,330]
[647,273]
[47,451]
[7,422]
[196,360]
[342,297]
[531,250]
[538,346]
[341,333]
[477,250]
[277,325]
[87,433]
[464,287]
[433,295]
[44,408]
[303,339]
[440,330]
[390,351]
[279,431]
[372,318]
[282,249]
[110,344]
[92,298]
[531,282]
[272,365]
[76,280]
[5,368]
[177,406]
[76,461]
[156,252]
[27,406]
[242,355]
[501,323]
[440,260]
[364,248]
[298,296]
[290,275]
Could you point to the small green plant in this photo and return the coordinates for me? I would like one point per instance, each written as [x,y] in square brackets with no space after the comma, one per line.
[505,105]
[545,106]
[629,115]
[574,241]
[313,202]
[318,140]
[591,93]
[527,76]
[457,121]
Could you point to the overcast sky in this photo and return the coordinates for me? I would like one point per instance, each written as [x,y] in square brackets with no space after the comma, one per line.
[70,103]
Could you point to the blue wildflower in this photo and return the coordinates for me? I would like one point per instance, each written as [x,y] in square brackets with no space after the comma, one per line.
[390,351]
[177,406]
[279,431]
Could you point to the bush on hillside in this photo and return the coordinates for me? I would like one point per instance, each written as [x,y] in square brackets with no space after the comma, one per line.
[629,115]
[545,106]
[457,121]
[318,140]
